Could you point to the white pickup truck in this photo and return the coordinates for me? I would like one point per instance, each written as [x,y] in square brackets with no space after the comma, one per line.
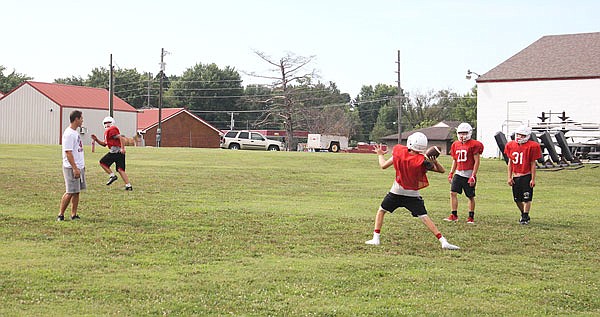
[326,142]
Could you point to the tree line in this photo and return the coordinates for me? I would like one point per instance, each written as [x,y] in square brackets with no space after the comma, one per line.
[295,101]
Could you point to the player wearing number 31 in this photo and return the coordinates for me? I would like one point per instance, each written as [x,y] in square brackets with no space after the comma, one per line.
[463,174]
[522,154]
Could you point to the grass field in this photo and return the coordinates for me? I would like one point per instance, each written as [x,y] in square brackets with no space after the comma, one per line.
[220,232]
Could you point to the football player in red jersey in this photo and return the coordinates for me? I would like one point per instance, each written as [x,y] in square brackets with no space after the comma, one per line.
[116,152]
[410,165]
[465,154]
[522,154]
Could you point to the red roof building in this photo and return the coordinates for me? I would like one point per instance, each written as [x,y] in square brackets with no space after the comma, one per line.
[180,128]
[38,113]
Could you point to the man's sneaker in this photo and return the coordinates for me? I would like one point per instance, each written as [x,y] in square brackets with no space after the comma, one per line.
[60,218]
[470,220]
[448,246]
[524,220]
[112,179]
[452,217]
[128,187]
[373,242]
[76,217]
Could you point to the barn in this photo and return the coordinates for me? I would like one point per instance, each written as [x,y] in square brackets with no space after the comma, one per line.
[38,113]
[179,128]
[556,77]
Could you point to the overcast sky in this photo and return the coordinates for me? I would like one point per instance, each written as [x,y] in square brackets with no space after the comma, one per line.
[355,42]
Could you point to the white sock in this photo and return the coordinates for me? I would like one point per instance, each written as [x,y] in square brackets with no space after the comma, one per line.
[376,235]
[128,185]
[111,174]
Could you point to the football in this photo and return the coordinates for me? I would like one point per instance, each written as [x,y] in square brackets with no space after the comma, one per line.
[433,152]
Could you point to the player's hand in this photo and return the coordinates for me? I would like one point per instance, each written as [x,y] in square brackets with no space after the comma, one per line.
[122,150]
[379,149]
[76,172]
[532,183]
[94,137]
[450,176]
[472,180]
[510,182]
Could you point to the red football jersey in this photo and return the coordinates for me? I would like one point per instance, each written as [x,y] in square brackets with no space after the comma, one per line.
[410,170]
[520,156]
[109,137]
[463,153]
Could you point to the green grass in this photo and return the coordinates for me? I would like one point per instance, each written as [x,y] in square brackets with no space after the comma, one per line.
[219,232]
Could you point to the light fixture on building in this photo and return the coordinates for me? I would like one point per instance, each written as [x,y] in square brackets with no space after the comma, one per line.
[469,73]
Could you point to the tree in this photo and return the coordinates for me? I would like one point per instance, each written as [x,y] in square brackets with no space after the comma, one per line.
[73,80]
[290,79]
[10,82]
[209,90]
[370,101]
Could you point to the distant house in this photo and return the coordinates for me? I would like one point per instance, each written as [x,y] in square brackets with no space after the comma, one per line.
[554,74]
[179,128]
[38,113]
[441,135]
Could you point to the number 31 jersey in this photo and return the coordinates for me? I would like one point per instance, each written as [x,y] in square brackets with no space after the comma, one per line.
[521,155]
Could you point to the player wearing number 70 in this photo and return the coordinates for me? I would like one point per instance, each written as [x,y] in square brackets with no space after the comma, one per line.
[522,154]
[466,154]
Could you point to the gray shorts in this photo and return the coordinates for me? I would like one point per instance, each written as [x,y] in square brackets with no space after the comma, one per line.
[72,184]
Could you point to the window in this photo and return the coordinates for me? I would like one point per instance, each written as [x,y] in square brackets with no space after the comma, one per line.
[258,137]
[243,135]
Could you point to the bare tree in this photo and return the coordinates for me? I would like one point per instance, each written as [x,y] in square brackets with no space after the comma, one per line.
[289,79]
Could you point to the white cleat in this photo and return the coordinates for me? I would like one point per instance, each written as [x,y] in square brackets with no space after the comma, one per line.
[449,246]
[373,242]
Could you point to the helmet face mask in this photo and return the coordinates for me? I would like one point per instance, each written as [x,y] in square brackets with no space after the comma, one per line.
[522,134]
[417,142]
[462,129]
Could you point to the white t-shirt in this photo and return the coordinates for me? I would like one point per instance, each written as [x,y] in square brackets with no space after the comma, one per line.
[71,141]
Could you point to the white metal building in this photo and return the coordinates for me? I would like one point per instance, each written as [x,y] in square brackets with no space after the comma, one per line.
[554,74]
[38,113]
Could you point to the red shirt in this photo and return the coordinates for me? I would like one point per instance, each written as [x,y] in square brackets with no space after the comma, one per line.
[410,170]
[109,136]
[520,156]
[463,153]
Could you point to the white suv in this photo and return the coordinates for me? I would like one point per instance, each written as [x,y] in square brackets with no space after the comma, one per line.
[248,140]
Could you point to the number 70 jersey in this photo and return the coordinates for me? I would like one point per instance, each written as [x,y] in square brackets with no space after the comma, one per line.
[463,153]
[521,155]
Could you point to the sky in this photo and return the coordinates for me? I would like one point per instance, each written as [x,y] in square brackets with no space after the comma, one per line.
[354,43]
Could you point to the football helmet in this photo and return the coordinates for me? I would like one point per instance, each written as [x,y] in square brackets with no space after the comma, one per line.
[417,142]
[462,128]
[522,134]
[108,122]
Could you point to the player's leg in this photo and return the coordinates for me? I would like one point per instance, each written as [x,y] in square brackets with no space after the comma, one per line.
[105,162]
[120,165]
[378,224]
[417,209]
[455,190]
[74,206]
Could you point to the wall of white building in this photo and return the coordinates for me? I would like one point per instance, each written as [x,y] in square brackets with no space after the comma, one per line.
[502,106]
[28,117]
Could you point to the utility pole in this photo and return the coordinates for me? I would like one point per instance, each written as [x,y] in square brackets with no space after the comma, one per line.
[111,88]
[400,101]
[160,96]
[149,82]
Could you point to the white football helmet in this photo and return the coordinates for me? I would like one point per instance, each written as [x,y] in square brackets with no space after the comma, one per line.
[417,142]
[464,127]
[522,134]
[108,122]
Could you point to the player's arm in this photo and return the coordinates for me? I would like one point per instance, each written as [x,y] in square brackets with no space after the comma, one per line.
[476,161]
[432,164]
[452,170]
[509,169]
[95,138]
[383,163]
[71,159]
[122,140]
[533,170]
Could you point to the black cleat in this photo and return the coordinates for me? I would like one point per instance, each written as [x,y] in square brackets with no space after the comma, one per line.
[524,220]
[76,217]
[111,180]
[128,187]
[60,218]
